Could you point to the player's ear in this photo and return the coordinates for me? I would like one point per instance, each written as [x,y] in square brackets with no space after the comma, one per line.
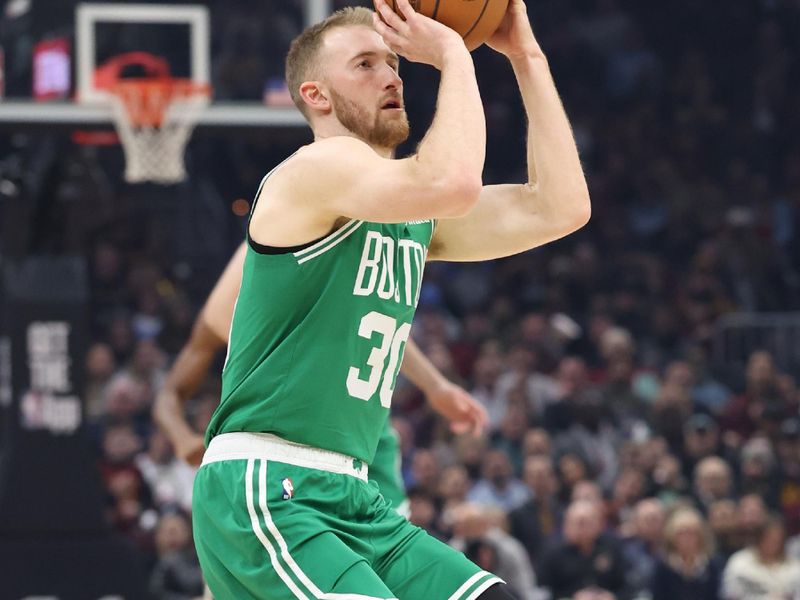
[315,96]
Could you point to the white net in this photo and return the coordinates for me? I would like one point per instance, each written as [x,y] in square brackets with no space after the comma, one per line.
[154,124]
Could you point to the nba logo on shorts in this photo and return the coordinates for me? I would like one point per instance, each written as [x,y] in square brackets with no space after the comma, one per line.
[288,489]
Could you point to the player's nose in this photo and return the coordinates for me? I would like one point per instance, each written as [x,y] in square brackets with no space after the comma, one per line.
[392,81]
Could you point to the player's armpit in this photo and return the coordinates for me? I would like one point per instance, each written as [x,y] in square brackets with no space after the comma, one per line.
[508,219]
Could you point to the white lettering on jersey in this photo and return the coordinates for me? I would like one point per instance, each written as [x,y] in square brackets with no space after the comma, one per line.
[378,273]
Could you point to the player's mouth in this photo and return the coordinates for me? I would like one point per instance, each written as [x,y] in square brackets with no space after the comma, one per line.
[392,105]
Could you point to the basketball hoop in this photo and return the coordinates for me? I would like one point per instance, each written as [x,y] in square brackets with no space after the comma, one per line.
[154,118]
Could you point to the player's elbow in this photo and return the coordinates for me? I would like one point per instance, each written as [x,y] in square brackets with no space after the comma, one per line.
[460,193]
[572,208]
[582,212]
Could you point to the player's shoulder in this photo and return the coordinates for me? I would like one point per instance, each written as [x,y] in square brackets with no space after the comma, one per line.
[340,148]
[324,162]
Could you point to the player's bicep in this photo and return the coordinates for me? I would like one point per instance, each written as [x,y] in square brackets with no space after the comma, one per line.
[504,222]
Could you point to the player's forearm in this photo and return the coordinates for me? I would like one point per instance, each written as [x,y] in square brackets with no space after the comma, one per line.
[555,173]
[420,371]
[168,413]
[454,148]
[185,376]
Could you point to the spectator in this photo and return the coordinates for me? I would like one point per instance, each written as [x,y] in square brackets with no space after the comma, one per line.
[176,575]
[668,479]
[572,469]
[671,409]
[643,547]
[536,442]
[757,471]
[712,481]
[724,524]
[688,570]
[752,515]
[470,452]
[498,486]
[763,570]
[788,450]
[589,491]
[100,366]
[593,435]
[474,523]
[486,375]
[126,401]
[422,511]
[170,480]
[509,438]
[454,485]
[708,393]
[701,439]
[745,412]
[586,558]
[425,471]
[536,521]
[572,382]
[629,488]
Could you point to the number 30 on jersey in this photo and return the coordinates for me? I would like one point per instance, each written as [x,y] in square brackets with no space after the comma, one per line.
[393,339]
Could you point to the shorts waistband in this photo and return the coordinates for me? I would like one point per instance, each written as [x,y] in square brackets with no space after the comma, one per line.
[265,446]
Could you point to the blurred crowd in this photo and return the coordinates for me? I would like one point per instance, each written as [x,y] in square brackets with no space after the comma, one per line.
[621,462]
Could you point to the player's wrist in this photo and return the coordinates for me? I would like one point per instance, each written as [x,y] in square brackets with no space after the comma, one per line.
[527,55]
[454,53]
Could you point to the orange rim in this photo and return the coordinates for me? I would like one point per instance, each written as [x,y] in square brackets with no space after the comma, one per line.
[146,100]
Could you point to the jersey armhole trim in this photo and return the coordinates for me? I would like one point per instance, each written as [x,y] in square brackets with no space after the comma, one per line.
[328,242]
[275,250]
[272,250]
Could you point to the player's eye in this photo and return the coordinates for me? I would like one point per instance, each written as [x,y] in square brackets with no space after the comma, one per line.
[364,64]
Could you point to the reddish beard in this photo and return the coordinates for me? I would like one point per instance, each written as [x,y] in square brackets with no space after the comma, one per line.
[384,133]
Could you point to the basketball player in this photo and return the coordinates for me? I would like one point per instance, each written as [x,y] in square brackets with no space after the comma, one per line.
[210,334]
[337,240]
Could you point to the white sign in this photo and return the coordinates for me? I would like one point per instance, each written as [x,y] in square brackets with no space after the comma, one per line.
[50,402]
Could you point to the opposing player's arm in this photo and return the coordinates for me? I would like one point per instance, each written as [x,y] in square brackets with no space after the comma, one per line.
[217,312]
[555,201]
[184,378]
[209,335]
[451,401]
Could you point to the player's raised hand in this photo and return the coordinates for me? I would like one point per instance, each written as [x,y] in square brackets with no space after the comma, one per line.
[414,36]
[514,37]
[456,405]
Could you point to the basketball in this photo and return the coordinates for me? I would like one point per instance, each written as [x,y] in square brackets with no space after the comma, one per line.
[475,20]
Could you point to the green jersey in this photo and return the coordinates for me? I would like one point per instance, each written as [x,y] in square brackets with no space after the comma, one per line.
[318,336]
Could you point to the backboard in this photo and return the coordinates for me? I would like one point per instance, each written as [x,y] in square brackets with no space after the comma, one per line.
[97,29]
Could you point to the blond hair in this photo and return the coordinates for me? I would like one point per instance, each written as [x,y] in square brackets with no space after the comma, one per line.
[301,62]
[683,517]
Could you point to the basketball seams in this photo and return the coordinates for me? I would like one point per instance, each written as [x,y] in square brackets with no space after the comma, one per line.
[435,9]
[478,20]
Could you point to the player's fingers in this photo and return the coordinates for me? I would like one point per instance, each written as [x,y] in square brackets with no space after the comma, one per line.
[480,419]
[394,40]
[405,8]
[392,19]
[459,427]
